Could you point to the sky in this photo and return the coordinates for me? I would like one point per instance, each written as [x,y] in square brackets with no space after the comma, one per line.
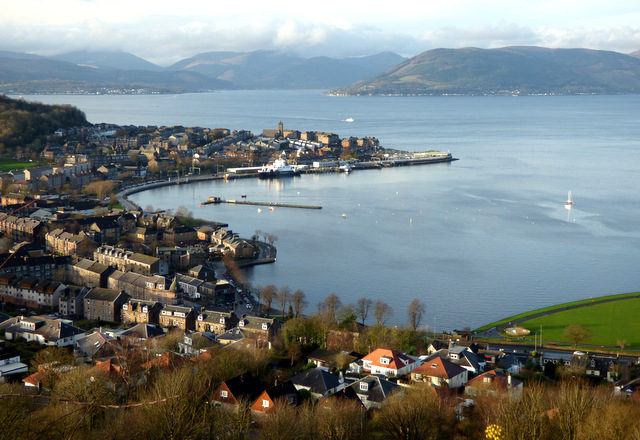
[164,32]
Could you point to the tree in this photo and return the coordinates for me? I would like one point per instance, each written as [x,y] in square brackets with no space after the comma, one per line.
[267,296]
[576,333]
[414,312]
[621,343]
[363,305]
[382,312]
[330,306]
[298,302]
[282,298]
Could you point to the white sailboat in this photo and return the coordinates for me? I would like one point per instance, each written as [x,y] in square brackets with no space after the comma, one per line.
[569,203]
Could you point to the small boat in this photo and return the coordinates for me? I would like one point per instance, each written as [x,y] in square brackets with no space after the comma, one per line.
[569,203]
[270,209]
[348,120]
[244,196]
[344,215]
[259,210]
[346,168]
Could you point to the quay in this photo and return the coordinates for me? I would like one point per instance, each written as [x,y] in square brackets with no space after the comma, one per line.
[216,200]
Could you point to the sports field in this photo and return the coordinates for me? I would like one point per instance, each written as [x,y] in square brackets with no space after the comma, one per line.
[11,164]
[608,321]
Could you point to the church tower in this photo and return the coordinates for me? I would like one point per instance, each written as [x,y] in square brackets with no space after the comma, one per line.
[280,129]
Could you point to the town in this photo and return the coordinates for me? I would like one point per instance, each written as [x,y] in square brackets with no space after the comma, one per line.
[127,322]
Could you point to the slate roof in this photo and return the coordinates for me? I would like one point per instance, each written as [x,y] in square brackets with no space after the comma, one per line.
[144,331]
[378,388]
[244,386]
[316,380]
[102,294]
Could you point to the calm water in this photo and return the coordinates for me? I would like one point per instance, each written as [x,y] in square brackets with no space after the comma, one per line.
[476,240]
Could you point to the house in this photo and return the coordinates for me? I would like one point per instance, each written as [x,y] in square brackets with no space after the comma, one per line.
[231,336]
[89,273]
[464,357]
[45,331]
[180,317]
[319,382]
[65,243]
[388,363]
[258,327]
[10,364]
[440,372]
[95,344]
[196,343]
[216,322]
[71,300]
[138,311]
[332,359]
[142,332]
[494,383]
[373,390]
[102,304]
[283,393]
[242,388]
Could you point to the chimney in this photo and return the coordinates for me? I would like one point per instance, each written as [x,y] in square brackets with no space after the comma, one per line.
[509,380]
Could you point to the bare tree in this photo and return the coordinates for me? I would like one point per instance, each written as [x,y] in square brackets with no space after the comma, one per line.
[414,312]
[363,305]
[282,298]
[330,306]
[576,333]
[382,312]
[298,302]
[621,343]
[271,238]
[267,296]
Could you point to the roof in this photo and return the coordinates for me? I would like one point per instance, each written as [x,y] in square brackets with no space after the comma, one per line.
[244,386]
[439,367]
[102,294]
[493,379]
[377,390]
[317,380]
[396,359]
[143,331]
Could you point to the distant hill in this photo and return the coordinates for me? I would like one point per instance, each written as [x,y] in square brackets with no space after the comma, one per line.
[22,74]
[108,60]
[23,122]
[274,70]
[509,70]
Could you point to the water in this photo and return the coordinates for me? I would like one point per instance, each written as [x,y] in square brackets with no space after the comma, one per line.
[476,240]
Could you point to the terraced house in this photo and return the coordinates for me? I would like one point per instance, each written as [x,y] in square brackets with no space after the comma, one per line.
[104,304]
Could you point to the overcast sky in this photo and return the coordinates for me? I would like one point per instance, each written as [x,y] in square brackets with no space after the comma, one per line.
[164,31]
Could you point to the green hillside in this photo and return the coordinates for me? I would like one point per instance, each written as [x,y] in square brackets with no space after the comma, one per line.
[510,70]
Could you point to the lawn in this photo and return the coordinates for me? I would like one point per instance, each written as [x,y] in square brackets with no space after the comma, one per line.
[608,323]
[12,164]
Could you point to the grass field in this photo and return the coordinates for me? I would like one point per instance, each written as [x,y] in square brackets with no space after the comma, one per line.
[521,316]
[12,164]
[608,323]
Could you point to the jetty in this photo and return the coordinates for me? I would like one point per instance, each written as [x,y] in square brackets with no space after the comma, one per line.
[217,200]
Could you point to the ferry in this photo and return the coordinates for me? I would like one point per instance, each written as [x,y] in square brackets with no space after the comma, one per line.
[279,168]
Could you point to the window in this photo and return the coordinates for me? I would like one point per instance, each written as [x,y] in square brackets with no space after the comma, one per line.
[364,386]
[223,394]
[265,403]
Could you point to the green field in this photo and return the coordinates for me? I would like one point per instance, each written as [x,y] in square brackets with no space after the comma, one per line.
[608,323]
[12,164]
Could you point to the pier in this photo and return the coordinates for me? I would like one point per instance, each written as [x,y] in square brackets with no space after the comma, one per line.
[216,200]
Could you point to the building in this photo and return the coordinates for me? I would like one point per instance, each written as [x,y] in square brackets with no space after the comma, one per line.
[373,390]
[64,243]
[440,372]
[284,393]
[30,292]
[242,388]
[138,311]
[89,273]
[127,261]
[388,363]
[494,383]
[259,328]
[183,318]
[102,304]
[71,300]
[215,322]
[45,331]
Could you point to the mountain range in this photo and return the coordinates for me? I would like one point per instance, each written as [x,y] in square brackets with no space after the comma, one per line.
[508,70]
[468,71]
